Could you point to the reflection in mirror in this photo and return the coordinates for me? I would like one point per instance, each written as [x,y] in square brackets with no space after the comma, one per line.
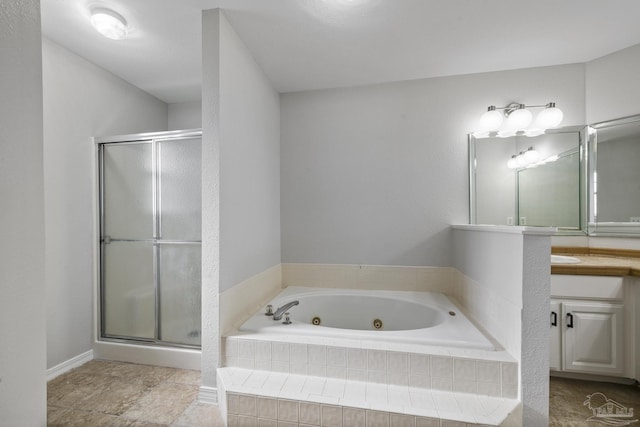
[549,194]
[545,191]
[615,189]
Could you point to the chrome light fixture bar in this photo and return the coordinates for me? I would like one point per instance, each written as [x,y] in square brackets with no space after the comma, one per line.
[518,119]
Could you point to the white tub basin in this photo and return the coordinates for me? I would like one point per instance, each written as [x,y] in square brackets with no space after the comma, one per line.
[563,259]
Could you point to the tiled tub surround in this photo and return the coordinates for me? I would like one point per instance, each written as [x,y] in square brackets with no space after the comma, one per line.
[258,398]
[490,373]
[478,380]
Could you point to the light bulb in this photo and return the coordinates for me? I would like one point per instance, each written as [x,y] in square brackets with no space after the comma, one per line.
[519,119]
[506,133]
[549,117]
[109,24]
[491,120]
[533,132]
[531,156]
[513,162]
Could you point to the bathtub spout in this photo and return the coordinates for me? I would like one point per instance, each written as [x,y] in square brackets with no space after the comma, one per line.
[280,311]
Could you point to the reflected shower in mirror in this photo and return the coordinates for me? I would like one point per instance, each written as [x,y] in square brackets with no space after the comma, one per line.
[615,177]
[523,180]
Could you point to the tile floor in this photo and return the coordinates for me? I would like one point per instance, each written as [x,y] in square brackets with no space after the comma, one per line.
[566,398]
[102,393]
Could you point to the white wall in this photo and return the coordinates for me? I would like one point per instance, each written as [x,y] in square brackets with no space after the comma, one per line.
[612,88]
[185,115]
[506,288]
[375,174]
[22,239]
[241,174]
[81,100]
[249,164]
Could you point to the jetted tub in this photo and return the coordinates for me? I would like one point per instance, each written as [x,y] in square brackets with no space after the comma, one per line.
[405,317]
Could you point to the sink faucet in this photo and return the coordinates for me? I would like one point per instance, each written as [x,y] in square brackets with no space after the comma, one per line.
[278,314]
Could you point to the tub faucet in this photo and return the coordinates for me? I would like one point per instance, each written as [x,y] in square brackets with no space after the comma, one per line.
[278,314]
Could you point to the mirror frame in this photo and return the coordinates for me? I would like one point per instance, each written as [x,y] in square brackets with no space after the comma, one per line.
[611,228]
[584,143]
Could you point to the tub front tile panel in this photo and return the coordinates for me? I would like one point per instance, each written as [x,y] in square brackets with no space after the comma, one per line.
[331,416]
[288,410]
[279,351]
[313,414]
[336,372]
[377,419]
[354,417]
[429,371]
[310,413]
[398,420]
[356,358]
[268,408]
[336,356]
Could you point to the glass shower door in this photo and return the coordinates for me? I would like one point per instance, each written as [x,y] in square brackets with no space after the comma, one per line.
[128,288]
[150,240]
[179,218]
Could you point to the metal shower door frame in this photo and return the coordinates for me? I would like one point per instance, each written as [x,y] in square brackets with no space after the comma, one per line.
[153,138]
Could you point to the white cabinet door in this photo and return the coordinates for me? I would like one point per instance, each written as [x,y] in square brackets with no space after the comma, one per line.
[593,334]
[555,337]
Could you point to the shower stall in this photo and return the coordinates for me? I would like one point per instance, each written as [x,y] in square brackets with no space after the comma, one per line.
[150,241]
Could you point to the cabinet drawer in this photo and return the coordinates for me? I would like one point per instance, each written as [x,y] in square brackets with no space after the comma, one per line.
[599,287]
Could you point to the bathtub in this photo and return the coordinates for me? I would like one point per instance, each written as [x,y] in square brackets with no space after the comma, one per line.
[427,318]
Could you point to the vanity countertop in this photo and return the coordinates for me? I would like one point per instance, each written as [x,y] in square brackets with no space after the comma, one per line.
[598,262]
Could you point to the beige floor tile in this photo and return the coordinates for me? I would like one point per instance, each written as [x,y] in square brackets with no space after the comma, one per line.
[566,397]
[186,376]
[116,398]
[74,418]
[200,415]
[145,374]
[98,367]
[164,403]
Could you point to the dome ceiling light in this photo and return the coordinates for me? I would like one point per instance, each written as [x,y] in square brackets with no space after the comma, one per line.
[109,23]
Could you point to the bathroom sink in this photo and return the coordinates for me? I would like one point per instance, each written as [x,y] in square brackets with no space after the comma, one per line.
[563,259]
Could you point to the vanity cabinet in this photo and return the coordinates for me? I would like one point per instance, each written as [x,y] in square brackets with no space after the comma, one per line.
[587,325]
[589,337]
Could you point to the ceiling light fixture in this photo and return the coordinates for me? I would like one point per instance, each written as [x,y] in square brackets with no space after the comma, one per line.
[109,23]
[518,119]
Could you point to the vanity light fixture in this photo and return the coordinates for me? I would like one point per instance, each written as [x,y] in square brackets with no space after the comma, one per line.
[524,159]
[518,119]
[529,159]
[109,23]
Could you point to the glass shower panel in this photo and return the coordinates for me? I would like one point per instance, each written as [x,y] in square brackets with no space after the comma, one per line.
[128,191]
[128,290]
[179,163]
[179,292]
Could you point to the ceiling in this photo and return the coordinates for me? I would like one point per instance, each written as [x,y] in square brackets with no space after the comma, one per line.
[315,44]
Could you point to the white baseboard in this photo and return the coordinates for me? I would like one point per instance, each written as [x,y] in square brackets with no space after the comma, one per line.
[181,358]
[68,365]
[208,395]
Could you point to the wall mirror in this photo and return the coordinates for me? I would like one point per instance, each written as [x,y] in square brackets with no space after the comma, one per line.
[535,181]
[615,177]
